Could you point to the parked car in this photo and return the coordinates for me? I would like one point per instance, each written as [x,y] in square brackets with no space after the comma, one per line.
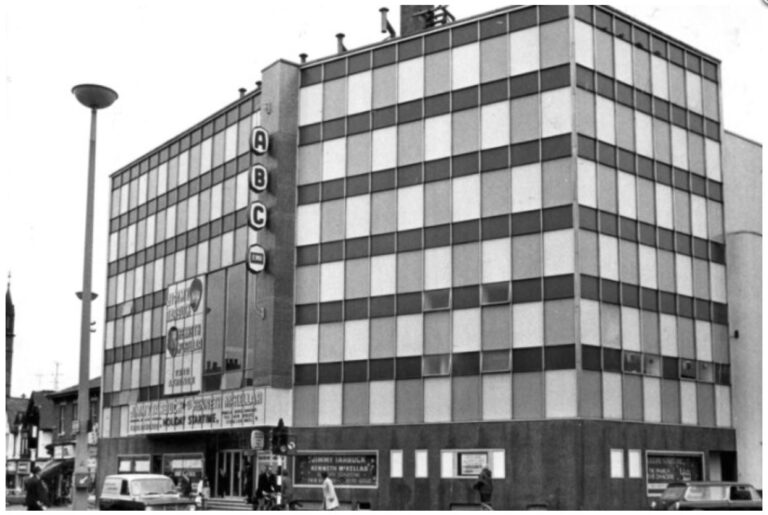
[142,492]
[709,495]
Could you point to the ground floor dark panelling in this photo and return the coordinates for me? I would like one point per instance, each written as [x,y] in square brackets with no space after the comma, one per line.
[561,464]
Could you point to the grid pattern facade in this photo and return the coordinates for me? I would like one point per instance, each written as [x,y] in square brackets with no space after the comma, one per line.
[491,229]
[178,213]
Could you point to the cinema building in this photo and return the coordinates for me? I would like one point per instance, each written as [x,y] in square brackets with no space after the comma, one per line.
[493,242]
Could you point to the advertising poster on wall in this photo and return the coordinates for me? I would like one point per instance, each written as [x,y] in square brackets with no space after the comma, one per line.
[216,410]
[663,468]
[351,469]
[184,330]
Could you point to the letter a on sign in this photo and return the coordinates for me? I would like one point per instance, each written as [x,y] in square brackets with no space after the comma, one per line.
[258,218]
[259,140]
[257,259]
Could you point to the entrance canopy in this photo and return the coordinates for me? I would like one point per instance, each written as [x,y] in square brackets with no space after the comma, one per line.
[55,467]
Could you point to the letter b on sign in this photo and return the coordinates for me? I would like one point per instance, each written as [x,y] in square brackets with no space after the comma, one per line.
[259,140]
[259,178]
[258,216]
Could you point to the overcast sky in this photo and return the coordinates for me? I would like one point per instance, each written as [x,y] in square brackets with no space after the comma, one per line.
[173,63]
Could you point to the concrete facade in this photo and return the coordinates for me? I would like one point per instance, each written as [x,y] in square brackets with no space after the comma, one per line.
[743,180]
[497,243]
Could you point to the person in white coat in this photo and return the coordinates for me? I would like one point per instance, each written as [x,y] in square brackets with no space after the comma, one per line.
[330,501]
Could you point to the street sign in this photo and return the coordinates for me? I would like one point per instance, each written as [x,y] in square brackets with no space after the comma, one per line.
[257,439]
[82,480]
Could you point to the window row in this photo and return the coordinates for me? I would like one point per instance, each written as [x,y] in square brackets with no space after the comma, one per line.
[637,132]
[610,224]
[524,325]
[532,359]
[462,66]
[518,361]
[649,267]
[520,191]
[518,224]
[648,201]
[634,98]
[457,34]
[186,215]
[245,108]
[529,396]
[631,362]
[204,182]
[525,290]
[513,88]
[212,152]
[227,223]
[512,259]
[489,261]
[615,57]
[613,157]
[642,39]
[437,137]
[156,275]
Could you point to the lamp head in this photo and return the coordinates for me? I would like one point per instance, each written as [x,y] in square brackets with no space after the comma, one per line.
[94,96]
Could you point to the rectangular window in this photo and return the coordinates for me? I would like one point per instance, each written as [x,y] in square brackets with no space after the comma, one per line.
[617,463]
[467,59]
[421,458]
[396,463]
[635,463]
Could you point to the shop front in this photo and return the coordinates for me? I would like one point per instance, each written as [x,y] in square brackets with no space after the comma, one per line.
[207,437]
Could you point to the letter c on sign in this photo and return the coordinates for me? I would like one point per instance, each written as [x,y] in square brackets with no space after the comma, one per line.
[258,216]
[259,140]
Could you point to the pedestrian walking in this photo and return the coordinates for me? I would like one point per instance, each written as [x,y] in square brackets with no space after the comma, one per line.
[37,493]
[286,489]
[266,486]
[484,485]
[330,501]
[185,485]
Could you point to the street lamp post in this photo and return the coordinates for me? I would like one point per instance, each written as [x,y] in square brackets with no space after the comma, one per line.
[93,97]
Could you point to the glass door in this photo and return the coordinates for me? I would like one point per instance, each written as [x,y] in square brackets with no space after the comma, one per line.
[229,465]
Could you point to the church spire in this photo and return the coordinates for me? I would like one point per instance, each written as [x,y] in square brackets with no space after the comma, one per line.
[10,317]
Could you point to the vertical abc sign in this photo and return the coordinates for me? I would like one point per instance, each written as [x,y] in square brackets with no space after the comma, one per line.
[257,258]
[258,216]
[259,141]
[259,178]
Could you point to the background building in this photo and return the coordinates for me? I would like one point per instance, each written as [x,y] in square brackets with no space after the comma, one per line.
[743,187]
[28,434]
[62,448]
[497,242]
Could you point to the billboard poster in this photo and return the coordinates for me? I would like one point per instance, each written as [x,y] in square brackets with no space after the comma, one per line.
[184,330]
[210,411]
[348,469]
[665,467]
[472,463]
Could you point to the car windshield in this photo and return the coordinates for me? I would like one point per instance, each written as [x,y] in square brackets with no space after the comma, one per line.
[152,486]
[673,492]
[706,493]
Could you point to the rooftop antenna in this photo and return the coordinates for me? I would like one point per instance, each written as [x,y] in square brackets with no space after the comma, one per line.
[435,16]
[385,25]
